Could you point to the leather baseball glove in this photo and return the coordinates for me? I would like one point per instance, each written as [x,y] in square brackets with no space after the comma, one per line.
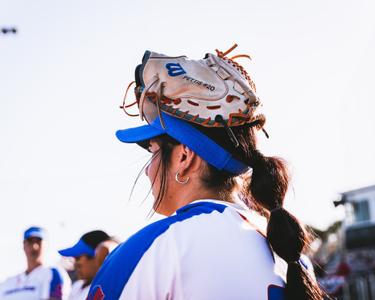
[214,91]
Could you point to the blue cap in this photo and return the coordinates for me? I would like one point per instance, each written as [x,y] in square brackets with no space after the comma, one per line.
[188,135]
[80,248]
[86,244]
[35,232]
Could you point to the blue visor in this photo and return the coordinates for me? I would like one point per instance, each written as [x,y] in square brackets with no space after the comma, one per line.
[34,232]
[188,135]
[81,248]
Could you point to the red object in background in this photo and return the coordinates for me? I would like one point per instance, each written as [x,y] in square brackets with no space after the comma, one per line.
[343,269]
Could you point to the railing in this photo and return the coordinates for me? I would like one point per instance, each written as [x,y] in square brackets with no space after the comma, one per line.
[360,287]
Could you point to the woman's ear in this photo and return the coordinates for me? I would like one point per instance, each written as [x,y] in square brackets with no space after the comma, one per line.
[185,154]
[187,160]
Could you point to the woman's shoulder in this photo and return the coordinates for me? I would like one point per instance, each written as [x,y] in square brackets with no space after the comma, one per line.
[164,228]
[196,221]
[200,220]
[188,237]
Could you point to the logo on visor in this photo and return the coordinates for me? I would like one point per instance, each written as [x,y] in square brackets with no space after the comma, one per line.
[175,69]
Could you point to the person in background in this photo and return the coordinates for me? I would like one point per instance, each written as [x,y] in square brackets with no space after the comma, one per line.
[38,281]
[103,249]
[89,253]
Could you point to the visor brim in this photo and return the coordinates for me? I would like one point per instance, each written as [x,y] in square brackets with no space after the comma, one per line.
[138,134]
[80,248]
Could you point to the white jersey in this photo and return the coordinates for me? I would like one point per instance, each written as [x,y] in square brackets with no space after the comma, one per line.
[78,291]
[206,250]
[41,283]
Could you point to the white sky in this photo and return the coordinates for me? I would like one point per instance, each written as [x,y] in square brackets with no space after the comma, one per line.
[63,75]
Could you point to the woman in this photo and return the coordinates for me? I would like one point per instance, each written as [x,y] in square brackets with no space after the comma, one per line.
[202,118]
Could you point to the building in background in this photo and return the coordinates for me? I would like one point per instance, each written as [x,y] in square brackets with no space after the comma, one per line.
[359,228]
[360,205]
[350,268]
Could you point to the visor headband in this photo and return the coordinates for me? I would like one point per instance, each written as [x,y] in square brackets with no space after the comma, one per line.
[201,144]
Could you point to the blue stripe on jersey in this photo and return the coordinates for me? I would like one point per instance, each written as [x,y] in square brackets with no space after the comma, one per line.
[22,289]
[120,264]
[276,292]
[55,290]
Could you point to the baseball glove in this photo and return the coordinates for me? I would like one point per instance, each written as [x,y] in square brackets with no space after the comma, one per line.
[214,91]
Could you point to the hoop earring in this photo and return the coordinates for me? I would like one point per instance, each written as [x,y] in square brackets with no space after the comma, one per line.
[181,181]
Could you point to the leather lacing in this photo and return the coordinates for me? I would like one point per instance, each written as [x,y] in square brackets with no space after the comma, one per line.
[124,106]
[259,120]
[230,60]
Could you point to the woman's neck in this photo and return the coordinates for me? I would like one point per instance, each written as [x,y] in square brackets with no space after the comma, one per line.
[184,196]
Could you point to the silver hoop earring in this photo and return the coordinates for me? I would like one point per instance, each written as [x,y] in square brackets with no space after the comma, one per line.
[181,181]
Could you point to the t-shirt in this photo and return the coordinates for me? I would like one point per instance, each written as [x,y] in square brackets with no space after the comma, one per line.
[207,250]
[79,293]
[41,283]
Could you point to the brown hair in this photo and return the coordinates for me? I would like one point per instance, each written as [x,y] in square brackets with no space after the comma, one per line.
[264,190]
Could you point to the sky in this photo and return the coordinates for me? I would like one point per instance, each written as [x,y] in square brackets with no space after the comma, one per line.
[63,76]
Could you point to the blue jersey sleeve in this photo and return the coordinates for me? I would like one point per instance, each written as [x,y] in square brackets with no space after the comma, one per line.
[276,292]
[56,285]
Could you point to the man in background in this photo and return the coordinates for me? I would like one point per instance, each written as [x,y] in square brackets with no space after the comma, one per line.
[38,281]
[89,253]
